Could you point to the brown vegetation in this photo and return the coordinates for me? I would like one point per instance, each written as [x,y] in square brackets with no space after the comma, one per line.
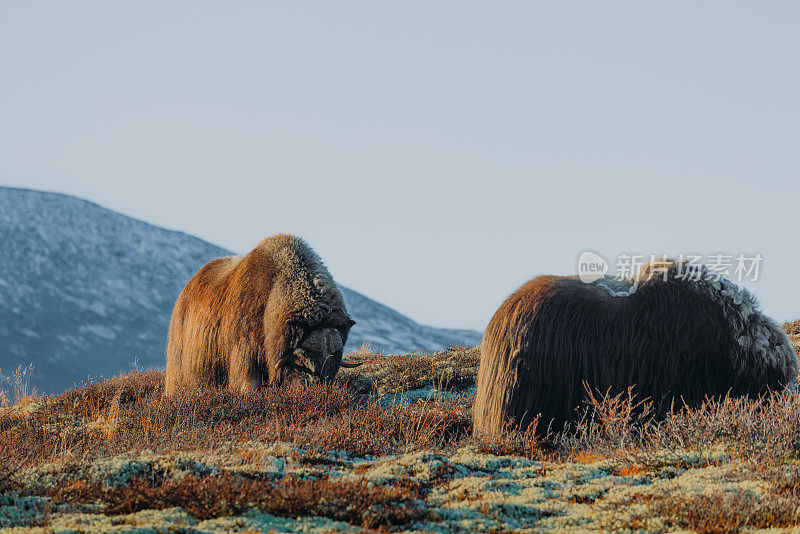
[129,412]
[793,328]
[229,494]
[128,415]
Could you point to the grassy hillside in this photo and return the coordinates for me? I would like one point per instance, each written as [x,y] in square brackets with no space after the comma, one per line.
[388,447]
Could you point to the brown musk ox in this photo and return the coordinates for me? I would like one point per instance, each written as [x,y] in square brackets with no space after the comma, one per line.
[245,321]
[674,333]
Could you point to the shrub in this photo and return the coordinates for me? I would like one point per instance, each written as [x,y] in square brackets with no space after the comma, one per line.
[230,494]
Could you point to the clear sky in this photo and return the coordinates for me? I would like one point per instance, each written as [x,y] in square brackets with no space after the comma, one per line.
[436,154]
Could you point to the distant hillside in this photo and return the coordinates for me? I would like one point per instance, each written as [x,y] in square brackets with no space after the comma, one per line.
[88,291]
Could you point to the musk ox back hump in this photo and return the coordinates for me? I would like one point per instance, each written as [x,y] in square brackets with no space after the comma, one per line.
[670,336]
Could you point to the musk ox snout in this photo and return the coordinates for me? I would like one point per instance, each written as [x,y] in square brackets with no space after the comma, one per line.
[319,355]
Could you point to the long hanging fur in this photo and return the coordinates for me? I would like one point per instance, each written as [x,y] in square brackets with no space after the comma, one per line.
[672,337]
[238,319]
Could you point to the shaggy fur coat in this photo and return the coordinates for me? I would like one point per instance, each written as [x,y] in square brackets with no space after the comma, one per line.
[673,337]
[239,320]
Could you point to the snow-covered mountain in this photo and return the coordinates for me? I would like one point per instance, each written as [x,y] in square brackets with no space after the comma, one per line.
[86,291]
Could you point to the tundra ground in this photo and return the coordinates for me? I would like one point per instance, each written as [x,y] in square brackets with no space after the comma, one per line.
[388,448]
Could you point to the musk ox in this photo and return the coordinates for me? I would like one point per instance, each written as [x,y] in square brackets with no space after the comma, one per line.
[242,322]
[674,332]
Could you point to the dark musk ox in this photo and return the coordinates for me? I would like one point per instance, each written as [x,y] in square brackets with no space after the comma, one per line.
[242,322]
[674,333]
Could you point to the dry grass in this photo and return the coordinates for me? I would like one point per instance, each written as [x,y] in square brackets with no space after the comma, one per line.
[719,511]
[15,389]
[128,414]
[793,328]
[454,368]
[229,494]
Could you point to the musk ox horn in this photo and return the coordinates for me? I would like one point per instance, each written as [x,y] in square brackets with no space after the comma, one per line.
[240,318]
[682,335]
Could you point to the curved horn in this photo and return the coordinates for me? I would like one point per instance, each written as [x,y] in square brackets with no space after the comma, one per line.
[347,365]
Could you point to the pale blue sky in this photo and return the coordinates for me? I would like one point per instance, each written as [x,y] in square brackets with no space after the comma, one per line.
[437,154]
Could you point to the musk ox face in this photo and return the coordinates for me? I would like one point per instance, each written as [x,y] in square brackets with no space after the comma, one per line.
[319,355]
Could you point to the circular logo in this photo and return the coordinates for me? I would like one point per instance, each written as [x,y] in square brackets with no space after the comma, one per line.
[591,266]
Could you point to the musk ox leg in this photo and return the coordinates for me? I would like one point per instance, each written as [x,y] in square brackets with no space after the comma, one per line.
[278,352]
[172,383]
[499,403]
[173,375]
[251,383]
[243,374]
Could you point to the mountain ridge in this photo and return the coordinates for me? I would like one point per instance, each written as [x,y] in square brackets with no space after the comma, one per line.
[85,290]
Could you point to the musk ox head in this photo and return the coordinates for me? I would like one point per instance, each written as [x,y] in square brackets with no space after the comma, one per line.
[319,355]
